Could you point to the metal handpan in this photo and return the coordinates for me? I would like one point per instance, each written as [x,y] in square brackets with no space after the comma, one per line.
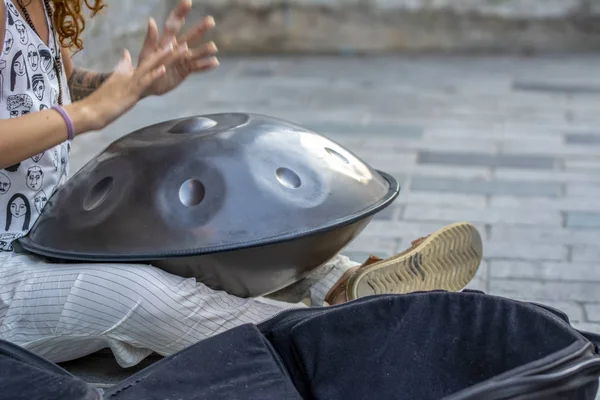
[242,202]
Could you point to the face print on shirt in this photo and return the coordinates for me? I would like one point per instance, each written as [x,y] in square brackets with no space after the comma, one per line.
[19,105]
[18,70]
[18,212]
[39,86]
[39,201]
[45,58]
[35,178]
[9,42]
[22,29]
[13,9]
[4,183]
[33,57]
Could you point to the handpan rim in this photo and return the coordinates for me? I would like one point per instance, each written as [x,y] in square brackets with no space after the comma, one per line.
[391,195]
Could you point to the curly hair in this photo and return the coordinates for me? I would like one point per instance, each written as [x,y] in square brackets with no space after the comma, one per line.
[69,20]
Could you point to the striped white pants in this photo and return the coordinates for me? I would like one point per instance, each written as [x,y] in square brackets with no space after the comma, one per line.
[65,311]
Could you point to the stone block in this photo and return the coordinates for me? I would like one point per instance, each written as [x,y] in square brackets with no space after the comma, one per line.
[488,160]
[545,271]
[588,253]
[442,199]
[495,187]
[583,219]
[494,249]
[507,216]
[585,139]
[549,236]
[546,291]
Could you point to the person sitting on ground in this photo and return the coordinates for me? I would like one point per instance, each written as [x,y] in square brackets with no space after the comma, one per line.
[66,311]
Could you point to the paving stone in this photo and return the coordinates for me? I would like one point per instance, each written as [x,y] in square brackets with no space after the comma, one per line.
[494,249]
[478,186]
[583,219]
[582,138]
[578,164]
[545,271]
[546,175]
[386,130]
[550,236]
[449,171]
[587,253]
[507,216]
[583,190]
[442,198]
[544,204]
[541,149]
[443,158]
[479,146]
[543,291]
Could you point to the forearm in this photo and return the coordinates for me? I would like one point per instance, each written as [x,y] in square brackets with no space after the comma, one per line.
[31,134]
[82,82]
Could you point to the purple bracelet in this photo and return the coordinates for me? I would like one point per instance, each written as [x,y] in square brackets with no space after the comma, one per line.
[68,121]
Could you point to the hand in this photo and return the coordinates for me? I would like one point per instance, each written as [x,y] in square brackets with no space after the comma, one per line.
[126,86]
[197,60]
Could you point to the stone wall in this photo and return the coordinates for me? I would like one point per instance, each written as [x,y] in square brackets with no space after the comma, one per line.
[363,26]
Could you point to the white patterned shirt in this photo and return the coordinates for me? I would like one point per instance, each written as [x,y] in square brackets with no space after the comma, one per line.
[28,83]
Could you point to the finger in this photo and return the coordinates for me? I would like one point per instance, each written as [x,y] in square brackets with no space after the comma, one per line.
[197,32]
[175,21]
[151,41]
[208,49]
[124,64]
[151,76]
[204,64]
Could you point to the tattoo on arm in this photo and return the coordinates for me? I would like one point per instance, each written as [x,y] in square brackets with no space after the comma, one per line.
[82,83]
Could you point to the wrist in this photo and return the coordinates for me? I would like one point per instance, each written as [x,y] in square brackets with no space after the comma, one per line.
[84,116]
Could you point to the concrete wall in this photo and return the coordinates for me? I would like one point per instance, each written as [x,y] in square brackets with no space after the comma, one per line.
[363,26]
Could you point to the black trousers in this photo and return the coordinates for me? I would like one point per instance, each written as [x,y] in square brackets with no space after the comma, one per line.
[432,345]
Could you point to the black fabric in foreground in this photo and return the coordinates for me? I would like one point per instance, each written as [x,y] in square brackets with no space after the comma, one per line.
[238,364]
[418,346]
[422,346]
[24,376]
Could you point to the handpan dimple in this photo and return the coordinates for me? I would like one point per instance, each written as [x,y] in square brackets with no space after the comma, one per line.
[98,193]
[193,125]
[246,203]
[288,178]
[191,193]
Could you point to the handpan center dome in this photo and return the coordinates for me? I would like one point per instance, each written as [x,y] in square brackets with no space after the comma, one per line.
[212,184]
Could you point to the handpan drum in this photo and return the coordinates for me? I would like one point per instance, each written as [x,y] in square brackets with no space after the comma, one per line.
[242,202]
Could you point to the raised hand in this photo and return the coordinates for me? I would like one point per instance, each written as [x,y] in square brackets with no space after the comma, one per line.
[127,85]
[196,60]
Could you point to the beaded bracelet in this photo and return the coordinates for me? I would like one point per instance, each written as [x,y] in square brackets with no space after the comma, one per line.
[68,121]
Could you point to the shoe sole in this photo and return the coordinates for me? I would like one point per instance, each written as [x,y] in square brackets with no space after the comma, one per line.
[446,260]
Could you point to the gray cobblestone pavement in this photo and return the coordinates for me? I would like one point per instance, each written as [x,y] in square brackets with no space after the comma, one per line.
[510,144]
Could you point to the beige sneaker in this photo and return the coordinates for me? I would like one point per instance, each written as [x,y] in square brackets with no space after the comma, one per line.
[445,260]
